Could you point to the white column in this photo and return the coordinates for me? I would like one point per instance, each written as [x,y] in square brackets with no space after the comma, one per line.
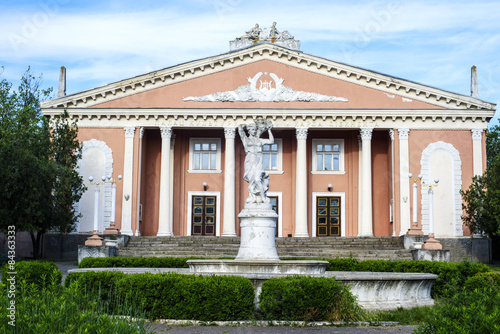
[128,166]
[391,207]
[164,214]
[301,184]
[360,183]
[141,134]
[229,229]
[366,196]
[96,208]
[404,185]
[477,152]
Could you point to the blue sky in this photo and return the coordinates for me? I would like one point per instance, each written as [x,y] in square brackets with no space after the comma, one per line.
[99,42]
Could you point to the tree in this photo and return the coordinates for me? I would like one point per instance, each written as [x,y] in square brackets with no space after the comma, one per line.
[481,202]
[38,180]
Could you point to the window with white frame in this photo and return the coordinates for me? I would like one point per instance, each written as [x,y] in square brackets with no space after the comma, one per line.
[328,156]
[204,155]
[272,156]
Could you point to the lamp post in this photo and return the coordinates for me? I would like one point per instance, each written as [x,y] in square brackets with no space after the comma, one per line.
[414,229]
[431,243]
[112,230]
[95,240]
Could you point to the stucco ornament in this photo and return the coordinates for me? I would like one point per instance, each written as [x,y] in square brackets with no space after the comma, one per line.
[257,178]
[265,35]
[267,91]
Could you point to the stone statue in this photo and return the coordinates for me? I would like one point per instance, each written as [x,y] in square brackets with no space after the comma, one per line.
[257,178]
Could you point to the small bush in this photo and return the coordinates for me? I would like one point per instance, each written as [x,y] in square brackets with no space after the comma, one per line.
[308,299]
[451,276]
[134,262]
[100,283]
[52,309]
[39,273]
[489,281]
[173,296]
[466,312]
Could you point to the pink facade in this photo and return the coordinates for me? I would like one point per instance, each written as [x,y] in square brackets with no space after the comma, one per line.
[363,133]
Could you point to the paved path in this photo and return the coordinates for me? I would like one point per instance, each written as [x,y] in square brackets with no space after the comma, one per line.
[156,328]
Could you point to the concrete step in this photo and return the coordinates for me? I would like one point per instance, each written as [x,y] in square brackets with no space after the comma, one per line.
[212,247]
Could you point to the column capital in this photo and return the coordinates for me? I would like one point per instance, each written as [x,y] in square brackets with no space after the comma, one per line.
[229,132]
[166,132]
[366,133]
[403,133]
[477,134]
[129,131]
[141,132]
[391,134]
[301,133]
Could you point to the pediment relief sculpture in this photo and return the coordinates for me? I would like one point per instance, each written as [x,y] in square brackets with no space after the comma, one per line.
[265,91]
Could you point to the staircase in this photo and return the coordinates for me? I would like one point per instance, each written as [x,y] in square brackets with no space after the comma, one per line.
[362,248]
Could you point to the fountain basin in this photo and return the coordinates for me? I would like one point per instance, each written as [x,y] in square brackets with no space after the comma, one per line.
[374,291]
[298,267]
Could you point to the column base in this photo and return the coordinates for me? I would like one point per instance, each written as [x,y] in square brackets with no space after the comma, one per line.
[164,234]
[301,235]
[127,232]
[231,234]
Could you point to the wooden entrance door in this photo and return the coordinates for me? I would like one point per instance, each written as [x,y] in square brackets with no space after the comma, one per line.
[275,204]
[328,217]
[203,215]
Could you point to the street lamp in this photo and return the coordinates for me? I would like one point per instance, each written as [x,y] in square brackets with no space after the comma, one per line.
[95,240]
[431,243]
[112,230]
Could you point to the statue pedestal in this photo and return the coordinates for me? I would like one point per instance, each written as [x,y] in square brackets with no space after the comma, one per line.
[258,222]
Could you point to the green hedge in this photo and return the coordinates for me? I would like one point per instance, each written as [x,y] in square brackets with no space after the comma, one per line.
[307,298]
[476,311]
[451,275]
[39,273]
[134,262]
[174,296]
[489,280]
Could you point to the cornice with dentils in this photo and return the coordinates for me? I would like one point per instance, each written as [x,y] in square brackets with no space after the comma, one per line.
[202,67]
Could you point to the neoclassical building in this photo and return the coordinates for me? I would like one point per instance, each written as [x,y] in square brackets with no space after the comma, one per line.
[345,141]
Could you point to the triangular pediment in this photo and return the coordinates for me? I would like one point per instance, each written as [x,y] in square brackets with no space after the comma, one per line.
[267,76]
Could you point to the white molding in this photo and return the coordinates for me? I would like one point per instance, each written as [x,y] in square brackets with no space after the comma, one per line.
[293,118]
[334,141]
[456,182]
[405,89]
[190,204]
[315,195]
[107,188]
[192,141]
[279,162]
[278,194]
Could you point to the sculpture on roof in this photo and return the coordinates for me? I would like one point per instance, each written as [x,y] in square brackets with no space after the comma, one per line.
[269,35]
[257,178]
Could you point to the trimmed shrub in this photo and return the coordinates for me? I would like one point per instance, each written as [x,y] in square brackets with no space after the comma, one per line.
[489,281]
[171,295]
[451,275]
[308,299]
[476,311]
[134,262]
[53,309]
[100,283]
[40,273]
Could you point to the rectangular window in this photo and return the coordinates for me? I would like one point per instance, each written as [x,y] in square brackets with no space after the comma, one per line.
[328,155]
[270,156]
[204,155]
